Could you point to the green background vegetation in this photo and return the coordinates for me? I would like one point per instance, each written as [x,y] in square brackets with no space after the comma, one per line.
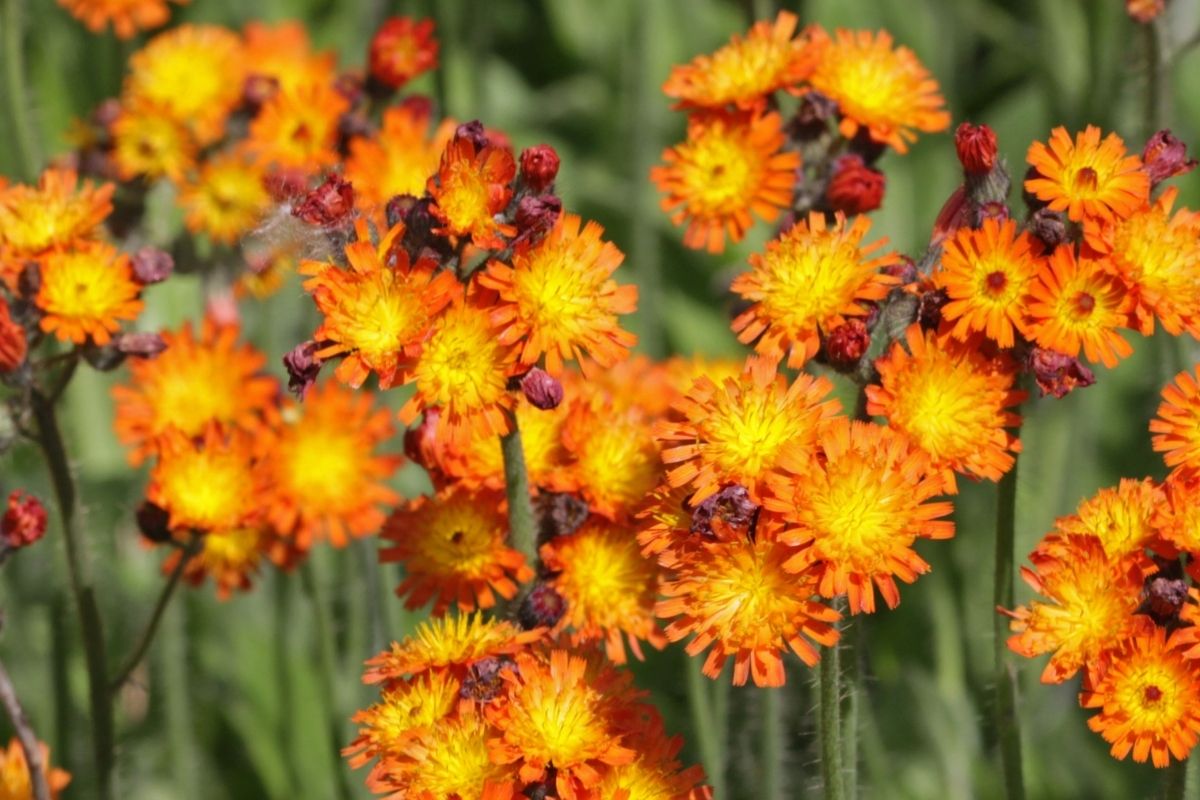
[232,704]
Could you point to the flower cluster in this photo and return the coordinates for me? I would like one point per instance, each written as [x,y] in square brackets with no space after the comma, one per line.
[1114,601]
[477,708]
[858,95]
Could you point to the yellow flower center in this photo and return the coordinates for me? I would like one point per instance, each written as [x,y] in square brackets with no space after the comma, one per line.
[618,464]
[858,520]
[455,761]
[198,386]
[457,538]
[720,170]
[461,365]
[744,434]
[946,406]
[322,466]
[1146,692]
[206,489]
[380,315]
[751,595]
[606,578]
[811,278]
[559,723]
[86,285]
[465,196]
[234,549]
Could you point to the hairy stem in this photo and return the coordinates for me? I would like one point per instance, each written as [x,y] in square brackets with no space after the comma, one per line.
[1156,99]
[25,734]
[1008,730]
[709,735]
[54,450]
[325,664]
[829,676]
[773,747]
[1175,781]
[15,81]
[516,487]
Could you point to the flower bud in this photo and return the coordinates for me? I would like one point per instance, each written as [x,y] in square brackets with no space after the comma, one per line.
[1056,373]
[151,265]
[542,389]
[396,210]
[13,345]
[24,521]
[726,514]
[302,367]
[328,204]
[474,133]
[929,310]
[154,522]
[400,50]
[420,442]
[1165,156]
[993,209]
[539,166]
[854,188]
[257,89]
[286,184]
[847,344]
[976,148]
[535,216]
[542,607]
[812,116]
[1163,597]
[1049,226]
[139,345]
[29,282]
[558,514]
[483,682]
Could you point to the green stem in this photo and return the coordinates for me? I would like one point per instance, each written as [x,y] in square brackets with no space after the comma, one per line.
[173,686]
[773,747]
[377,595]
[164,598]
[1008,730]
[325,664]
[829,699]
[16,83]
[283,680]
[516,486]
[29,741]
[851,691]
[1155,112]
[1175,781]
[95,655]
[705,727]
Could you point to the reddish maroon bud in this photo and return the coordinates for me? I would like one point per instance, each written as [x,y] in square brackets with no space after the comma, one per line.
[993,209]
[154,522]
[139,345]
[955,214]
[976,147]
[542,389]
[1057,373]
[904,269]
[258,89]
[483,682]
[151,265]
[302,367]
[400,50]
[1165,157]
[106,113]
[474,133]
[396,210]
[353,125]
[418,105]
[854,188]
[13,345]
[30,280]
[727,514]
[929,310]
[1049,226]
[847,344]
[1162,598]
[558,514]
[535,217]
[812,116]
[420,442]
[350,87]
[328,204]
[539,166]
[865,145]
[542,607]
[24,521]
[286,184]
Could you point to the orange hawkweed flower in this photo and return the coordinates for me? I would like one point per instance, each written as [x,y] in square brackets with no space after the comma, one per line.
[656,772]
[326,479]
[806,283]
[746,70]
[449,643]
[470,189]
[15,781]
[736,432]
[615,459]
[1121,518]
[194,381]
[209,483]
[402,49]
[736,596]
[1149,699]
[730,165]
[86,292]
[856,513]
[404,711]
[563,716]
[149,142]
[1158,256]
[400,158]
[1088,179]
[193,73]
[298,128]
[127,17]
[230,557]
[378,312]
[477,461]
[226,199]
[1079,303]
[449,759]
[952,401]
[608,586]
[1177,519]
[1176,425]
[57,212]
[454,548]
[462,370]
[987,274]
[1090,603]
[884,90]
[284,53]
[558,299]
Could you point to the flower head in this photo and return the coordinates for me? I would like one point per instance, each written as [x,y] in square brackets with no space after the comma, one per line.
[1148,699]
[615,459]
[807,283]
[987,274]
[454,548]
[231,558]
[402,49]
[608,586]
[736,432]
[195,380]
[1177,518]
[559,301]
[149,142]
[405,710]
[952,401]
[400,158]
[885,91]
[477,461]
[126,17]
[745,71]
[209,483]
[23,521]
[470,188]
[1078,304]
[856,512]
[1091,180]
[86,292]
[449,759]
[298,128]
[15,781]
[56,213]
[730,165]
[1121,518]
[226,199]
[449,643]
[1176,426]
[283,53]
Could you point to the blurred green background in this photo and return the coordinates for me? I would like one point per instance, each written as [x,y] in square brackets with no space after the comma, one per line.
[231,703]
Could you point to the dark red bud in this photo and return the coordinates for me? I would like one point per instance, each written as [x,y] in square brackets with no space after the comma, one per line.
[139,345]
[847,344]
[929,310]
[812,116]
[976,148]
[1165,157]
[539,166]
[302,366]
[328,204]
[483,682]
[535,216]
[728,513]
[542,607]
[24,520]
[474,133]
[1057,373]
[1049,226]
[154,522]
[558,514]
[258,89]
[854,188]
[542,389]
[151,265]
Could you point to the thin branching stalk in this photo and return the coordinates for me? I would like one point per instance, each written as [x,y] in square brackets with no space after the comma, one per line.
[1156,98]
[25,735]
[774,748]
[706,729]
[325,665]
[16,83]
[521,525]
[95,654]
[1008,731]
[830,703]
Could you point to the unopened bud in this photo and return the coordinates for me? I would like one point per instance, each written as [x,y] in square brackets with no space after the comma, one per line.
[1165,157]
[396,210]
[474,133]
[729,512]
[258,89]
[328,204]
[535,216]
[812,116]
[854,188]
[543,607]
[1056,373]
[154,522]
[420,442]
[1163,597]
[929,310]
[542,389]
[483,682]
[24,520]
[847,344]
[302,367]
[139,345]
[539,166]
[976,148]
[1049,226]
[151,265]
[558,514]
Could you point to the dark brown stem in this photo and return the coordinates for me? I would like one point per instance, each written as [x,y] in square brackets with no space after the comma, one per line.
[25,734]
